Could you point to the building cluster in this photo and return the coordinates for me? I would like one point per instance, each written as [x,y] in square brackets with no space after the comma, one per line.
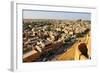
[39,34]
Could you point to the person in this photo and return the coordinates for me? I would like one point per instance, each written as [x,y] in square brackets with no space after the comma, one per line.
[84,50]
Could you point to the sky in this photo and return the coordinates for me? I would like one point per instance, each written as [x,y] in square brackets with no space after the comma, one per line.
[32,14]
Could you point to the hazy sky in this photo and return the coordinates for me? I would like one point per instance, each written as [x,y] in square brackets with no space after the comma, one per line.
[31,14]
